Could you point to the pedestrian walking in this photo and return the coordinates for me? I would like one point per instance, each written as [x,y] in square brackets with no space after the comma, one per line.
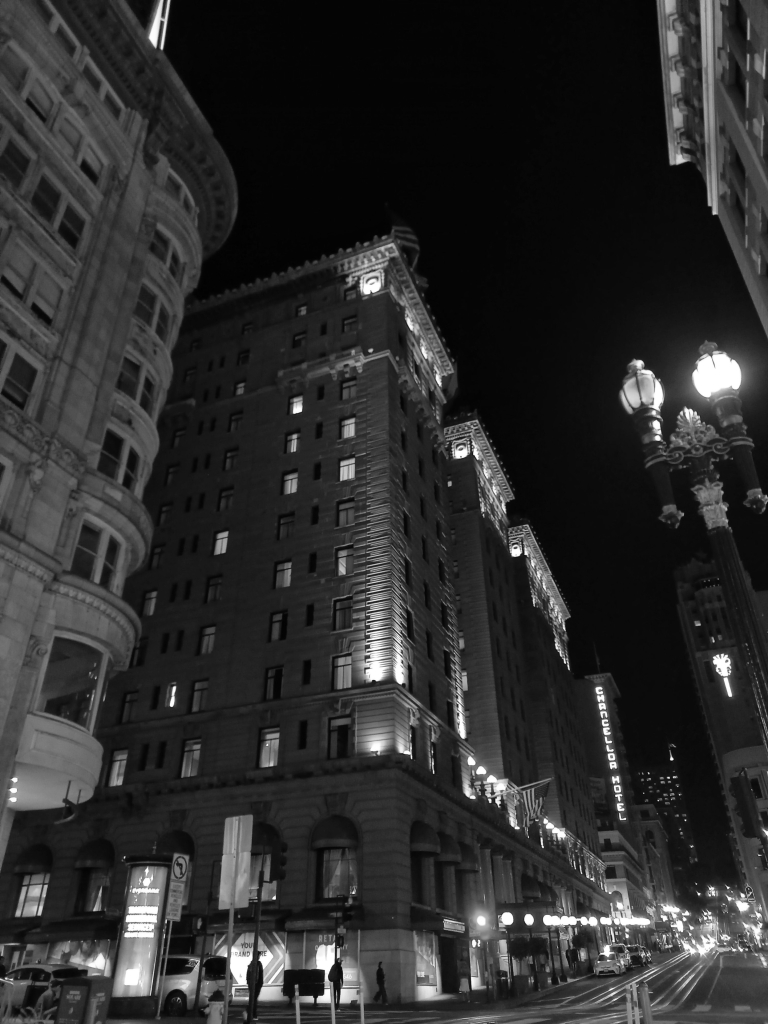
[254,979]
[336,978]
[382,992]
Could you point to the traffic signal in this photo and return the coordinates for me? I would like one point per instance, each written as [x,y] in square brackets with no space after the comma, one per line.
[746,808]
[279,862]
[340,941]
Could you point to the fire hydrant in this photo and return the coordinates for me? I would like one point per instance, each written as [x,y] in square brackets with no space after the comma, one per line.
[215,1009]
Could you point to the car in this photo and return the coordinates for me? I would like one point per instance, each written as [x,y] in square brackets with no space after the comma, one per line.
[609,963]
[620,949]
[722,946]
[31,981]
[636,956]
[180,982]
[744,946]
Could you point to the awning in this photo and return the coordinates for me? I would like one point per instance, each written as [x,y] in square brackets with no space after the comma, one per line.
[79,928]
[335,832]
[34,860]
[529,887]
[430,921]
[13,929]
[469,861]
[424,839]
[175,842]
[449,849]
[99,853]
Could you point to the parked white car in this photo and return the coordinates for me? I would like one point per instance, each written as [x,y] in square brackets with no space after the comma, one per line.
[180,981]
[30,982]
[609,963]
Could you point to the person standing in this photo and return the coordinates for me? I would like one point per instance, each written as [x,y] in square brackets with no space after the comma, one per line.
[254,979]
[336,978]
[380,979]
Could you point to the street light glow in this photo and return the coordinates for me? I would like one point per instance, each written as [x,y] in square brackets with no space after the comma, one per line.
[641,389]
[715,371]
[482,920]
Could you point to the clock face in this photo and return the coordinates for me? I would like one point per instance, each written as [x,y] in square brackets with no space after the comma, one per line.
[460,450]
[516,549]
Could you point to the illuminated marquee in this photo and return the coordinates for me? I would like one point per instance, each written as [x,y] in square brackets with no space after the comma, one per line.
[723,665]
[610,749]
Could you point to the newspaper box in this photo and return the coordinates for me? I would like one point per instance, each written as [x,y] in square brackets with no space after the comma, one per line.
[84,1001]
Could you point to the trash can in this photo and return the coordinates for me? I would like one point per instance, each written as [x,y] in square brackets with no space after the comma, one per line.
[84,1001]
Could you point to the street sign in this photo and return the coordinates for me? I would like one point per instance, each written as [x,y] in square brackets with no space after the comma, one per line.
[235,885]
[176,886]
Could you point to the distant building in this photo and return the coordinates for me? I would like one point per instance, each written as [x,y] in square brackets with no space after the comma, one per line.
[112,191]
[661,786]
[713,74]
[726,702]
[657,858]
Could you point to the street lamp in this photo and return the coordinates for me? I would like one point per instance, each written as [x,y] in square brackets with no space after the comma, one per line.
[696,446]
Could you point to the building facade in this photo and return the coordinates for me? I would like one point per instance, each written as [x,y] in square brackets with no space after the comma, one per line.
[725,699]
[660,785]
[299,659]
[112,190]
[713,64]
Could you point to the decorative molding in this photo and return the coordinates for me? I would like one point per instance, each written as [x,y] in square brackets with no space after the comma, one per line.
[25,564]
[711,505]
[44,445]
[37,649]
[336,803]
[122,622]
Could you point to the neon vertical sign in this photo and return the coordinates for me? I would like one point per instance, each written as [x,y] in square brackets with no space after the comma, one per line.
[610,750]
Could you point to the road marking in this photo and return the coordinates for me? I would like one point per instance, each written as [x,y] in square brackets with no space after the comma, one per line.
[701,1007]
[743,1009]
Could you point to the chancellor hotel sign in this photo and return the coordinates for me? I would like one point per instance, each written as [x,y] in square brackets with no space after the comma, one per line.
[610,750]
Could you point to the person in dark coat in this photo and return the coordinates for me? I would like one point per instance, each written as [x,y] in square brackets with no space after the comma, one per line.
[336,978]
[254,979]
[382,992]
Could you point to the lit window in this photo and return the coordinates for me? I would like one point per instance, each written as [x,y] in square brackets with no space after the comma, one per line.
[347,427]
[290,481]
[199,696]
[269,745]
[34,889]
[239,388]
[170,695]
[339,737]
[348,389]
[301,310]
[273,686]
[337,868]
[117,765]
[342,613]
[278,626]
[190,758]
[149,603]
[342,672]
[347,468]
[220,542]
[295,404]
[292,442]
[207,640]
[96,556]
[282,575]
[299,339]
[345,513]
[345,561]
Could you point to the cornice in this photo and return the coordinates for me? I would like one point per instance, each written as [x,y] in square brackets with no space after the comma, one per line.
[523,534]
[473,432]
[123,617]
[25,564]
[145,81]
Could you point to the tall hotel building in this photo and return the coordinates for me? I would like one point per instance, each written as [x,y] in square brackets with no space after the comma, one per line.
[112,191]
[300,656]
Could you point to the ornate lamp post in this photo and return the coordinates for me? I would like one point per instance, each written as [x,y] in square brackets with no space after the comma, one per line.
[697,447]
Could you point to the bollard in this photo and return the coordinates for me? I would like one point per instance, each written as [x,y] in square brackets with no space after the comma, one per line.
[297,1000]
[644,998]
[633,1009]
[333,1003]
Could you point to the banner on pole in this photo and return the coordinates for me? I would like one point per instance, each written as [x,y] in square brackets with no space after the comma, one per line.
[238,834]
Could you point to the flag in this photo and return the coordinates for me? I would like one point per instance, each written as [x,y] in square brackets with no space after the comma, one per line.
[532,798]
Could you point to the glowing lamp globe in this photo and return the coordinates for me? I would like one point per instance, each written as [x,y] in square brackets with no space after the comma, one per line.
[528,919]
[481,770]
[507,919]
[592,921]
[715,371]
[481,920]
[641,389]
[546,920]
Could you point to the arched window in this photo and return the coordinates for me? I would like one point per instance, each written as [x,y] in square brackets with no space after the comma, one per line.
[95,863]
[335,840]
[33,868]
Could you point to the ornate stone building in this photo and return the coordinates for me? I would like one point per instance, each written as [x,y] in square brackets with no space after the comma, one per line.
[112,191]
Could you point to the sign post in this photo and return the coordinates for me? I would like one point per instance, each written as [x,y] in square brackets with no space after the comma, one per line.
[234,888]
[176,887]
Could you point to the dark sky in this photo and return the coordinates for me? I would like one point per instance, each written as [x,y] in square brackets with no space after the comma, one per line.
[529,154]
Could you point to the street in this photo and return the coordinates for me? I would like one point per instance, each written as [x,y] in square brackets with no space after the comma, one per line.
[685,989]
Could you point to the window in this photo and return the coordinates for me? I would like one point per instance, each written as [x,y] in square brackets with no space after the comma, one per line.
[348,324]
[149,602]
[345,513]
[93,890]
[139,653]
[295,404]
[206,640]
[178,190]
[278,626]
[220,542]
[129,706]
[225,499]
[433,757]
[347,427]
[25,278]
[342,672]
[318,430]
[430,653]
[190,758]
[350,293]
[317,471]
[273,683]
[290,482]
[337,872]
[152,312]
[347,468]
[342,613]
[302,740]
[339,730]
[34,889]
[94,78]
[170,695]
[282,575]
[269,745]
[409,629]
[14,164]
[285,525]
[163,248]
[171,472]
[117,764]
[301,310]
[309,615]
[235,422]
[230,460]
[349,389]
[345,561]
[291,442]
[239,388]
[314,515]
[49,202]
[407,572]
[406,525]
[156,556]
[427,596]
[306,672]
[96,555]
[299,339]
[312,562]
[119,460]
[447,662]
[178,435]
[199,696]
[243,357]
[212,589]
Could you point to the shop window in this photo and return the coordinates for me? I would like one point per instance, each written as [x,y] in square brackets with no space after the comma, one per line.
[336,873]
[93,890]
[32,893]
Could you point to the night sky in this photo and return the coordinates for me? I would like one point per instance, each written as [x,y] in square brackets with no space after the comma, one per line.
[529,155]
